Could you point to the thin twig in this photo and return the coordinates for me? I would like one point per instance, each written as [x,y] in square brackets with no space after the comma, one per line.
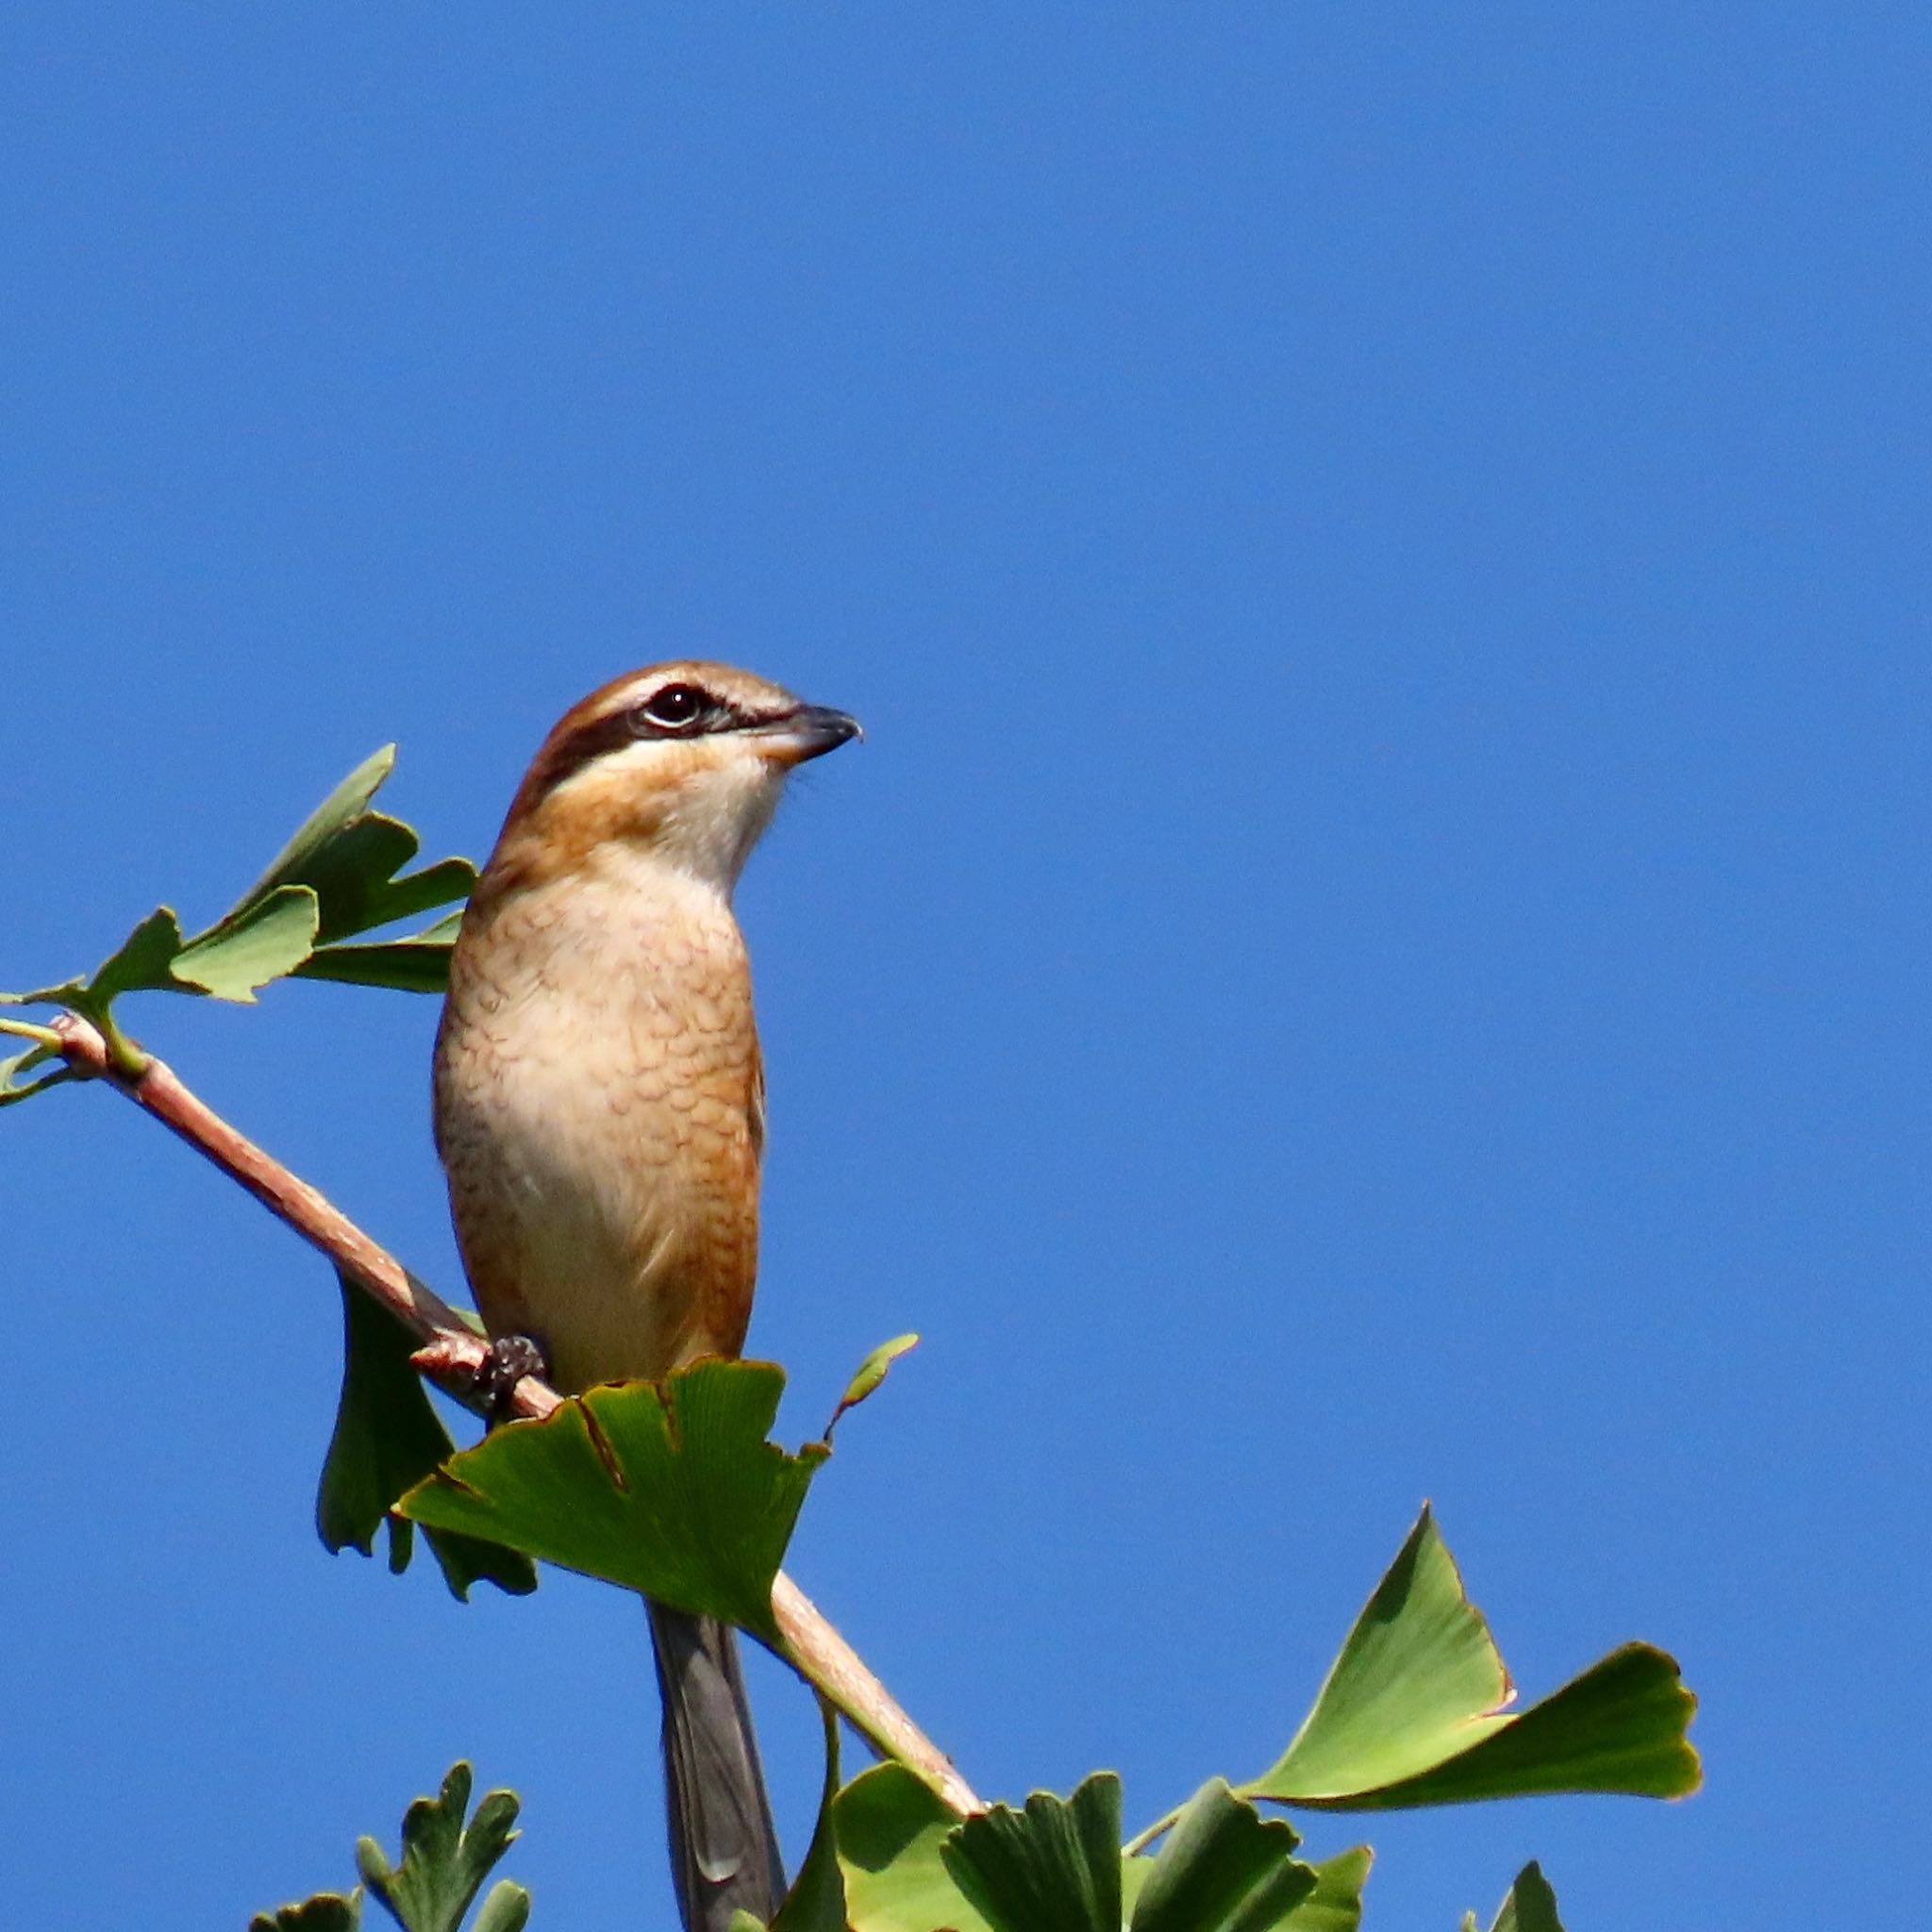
[453,1352]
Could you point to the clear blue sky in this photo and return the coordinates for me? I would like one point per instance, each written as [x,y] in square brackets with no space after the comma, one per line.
[1375,949]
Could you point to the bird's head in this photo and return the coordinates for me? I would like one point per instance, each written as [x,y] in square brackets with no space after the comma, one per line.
[680,762]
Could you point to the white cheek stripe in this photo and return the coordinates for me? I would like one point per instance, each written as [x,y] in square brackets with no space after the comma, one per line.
[719,802]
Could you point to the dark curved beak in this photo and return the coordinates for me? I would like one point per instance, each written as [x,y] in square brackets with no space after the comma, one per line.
[808,732]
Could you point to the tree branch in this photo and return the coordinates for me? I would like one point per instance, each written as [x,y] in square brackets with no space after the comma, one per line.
[453,1352]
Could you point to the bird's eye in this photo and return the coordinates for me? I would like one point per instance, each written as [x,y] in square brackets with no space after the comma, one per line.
[674,707]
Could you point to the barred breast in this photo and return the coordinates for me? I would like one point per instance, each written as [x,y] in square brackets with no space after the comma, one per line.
[599,1112]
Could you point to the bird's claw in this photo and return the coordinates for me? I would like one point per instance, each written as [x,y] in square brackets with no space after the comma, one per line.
[511,1358]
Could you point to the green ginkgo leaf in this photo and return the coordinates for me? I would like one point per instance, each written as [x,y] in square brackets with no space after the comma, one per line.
[296,861]
[264,941]
[446,1860]
[506,1910]
[1057,1862]
[1335,1903]
[387,1436]
[1414,1710]
[1530,1905]
[352,858]
[891,1827]
[417,964]
[1223,1868]
[340,876]
[671,1489]
[141,961]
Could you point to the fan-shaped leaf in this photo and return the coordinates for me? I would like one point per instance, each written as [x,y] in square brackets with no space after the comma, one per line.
[890,1825]
[387,1437]
[1055,1863]
[1412,1712]
[1224,1867]
[672,1491]
[264,941]
[445,1860]
[1530,1905]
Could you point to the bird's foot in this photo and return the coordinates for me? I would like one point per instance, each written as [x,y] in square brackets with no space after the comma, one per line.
[511,1358]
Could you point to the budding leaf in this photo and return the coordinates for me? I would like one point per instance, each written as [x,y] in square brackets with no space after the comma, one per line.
[871,1373]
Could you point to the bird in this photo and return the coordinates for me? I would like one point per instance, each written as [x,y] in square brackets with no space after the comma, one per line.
[600,1114]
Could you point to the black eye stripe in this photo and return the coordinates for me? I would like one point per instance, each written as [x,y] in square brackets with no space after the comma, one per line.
[597,737]
[584,745]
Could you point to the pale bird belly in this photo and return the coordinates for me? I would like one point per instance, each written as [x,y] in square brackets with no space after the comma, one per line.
[605,1200]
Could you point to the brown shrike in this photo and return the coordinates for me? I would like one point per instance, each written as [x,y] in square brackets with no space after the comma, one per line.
[600,1112]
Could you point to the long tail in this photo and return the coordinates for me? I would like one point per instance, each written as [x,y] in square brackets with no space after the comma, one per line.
[723,1847]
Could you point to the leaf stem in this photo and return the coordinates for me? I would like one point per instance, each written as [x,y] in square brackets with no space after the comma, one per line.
[26,1029]
[11,1096]
[126,1061]
[1141,1839]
